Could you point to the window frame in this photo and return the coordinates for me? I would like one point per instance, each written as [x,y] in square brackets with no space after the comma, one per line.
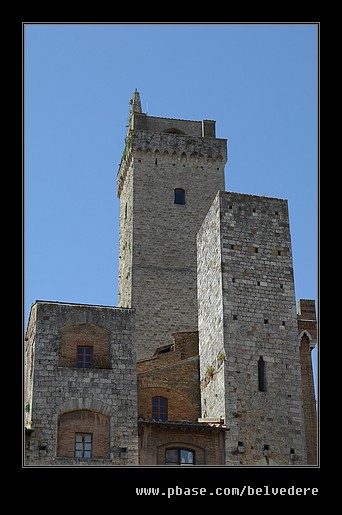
[84,444]
[161,411]
[179,456]
[84,346]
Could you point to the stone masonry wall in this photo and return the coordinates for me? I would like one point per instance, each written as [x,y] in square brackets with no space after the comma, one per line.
[162,285]
[210,318]
[126,239]
[103,394]
[259,320]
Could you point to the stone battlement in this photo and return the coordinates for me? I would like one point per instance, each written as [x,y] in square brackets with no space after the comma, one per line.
[193,150]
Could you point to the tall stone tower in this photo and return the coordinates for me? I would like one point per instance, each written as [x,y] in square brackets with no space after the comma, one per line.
[250,364]
[168,177]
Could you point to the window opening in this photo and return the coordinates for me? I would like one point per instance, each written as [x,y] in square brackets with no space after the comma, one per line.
[262,374]
[159,408]
[83,445]
[179,197]
[84,356]
[179,457]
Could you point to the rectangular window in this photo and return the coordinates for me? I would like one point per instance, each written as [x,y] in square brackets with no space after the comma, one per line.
[83,445]
[179,197]
[159,408]
[84,356]
[179,457]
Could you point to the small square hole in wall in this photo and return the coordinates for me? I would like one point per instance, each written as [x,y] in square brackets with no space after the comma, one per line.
[266,447]
[281,286]
[235,317]
[256,250]
[232,246]
[265,321]
[230,207]
[258,283]
[283,323]
[233,279]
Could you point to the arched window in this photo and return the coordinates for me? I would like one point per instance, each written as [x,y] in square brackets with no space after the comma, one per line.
[84,346]
[179,457]
[179,196]
[262,374]
[83,434]
[159,408]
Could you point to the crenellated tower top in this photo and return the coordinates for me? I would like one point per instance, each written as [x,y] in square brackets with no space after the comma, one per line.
[191,141]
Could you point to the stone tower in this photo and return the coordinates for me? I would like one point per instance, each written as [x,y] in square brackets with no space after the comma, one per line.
[80,386]
[168,177]
[250,364]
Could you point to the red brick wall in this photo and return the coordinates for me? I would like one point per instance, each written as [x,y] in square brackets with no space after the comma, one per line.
[307,325]
[208,445]
[309,404]
[83,421]
[179,406]
[179,383]
[174,375]
[83,334]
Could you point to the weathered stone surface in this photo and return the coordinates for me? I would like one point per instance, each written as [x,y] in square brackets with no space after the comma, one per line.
[157,268]
[56,387]
[247,310]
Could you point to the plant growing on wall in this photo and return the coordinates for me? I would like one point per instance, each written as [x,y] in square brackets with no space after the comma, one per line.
[210,372]
[220,358]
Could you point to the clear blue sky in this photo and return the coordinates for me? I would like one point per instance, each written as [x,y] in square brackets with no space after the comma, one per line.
[259,82]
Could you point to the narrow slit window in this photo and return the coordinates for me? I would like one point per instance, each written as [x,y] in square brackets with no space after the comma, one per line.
[262,374]
[179,197]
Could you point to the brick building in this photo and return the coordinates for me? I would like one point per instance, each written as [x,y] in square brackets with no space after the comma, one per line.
[205,361]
